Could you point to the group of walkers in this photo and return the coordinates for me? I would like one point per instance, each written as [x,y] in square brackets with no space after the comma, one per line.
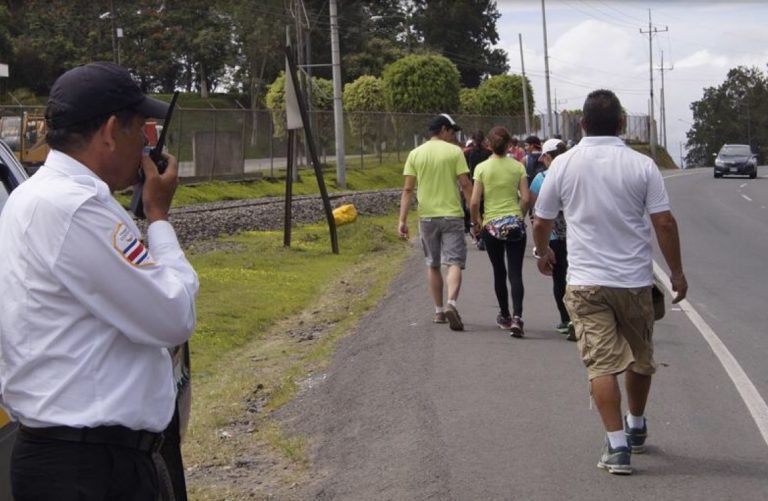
[592,208]
[505,181]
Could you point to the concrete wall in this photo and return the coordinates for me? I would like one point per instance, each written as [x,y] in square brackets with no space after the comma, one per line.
[217,153]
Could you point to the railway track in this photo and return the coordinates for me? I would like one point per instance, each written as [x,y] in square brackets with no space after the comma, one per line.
[205,222]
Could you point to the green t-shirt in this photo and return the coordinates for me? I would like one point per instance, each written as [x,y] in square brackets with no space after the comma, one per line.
[501,179]
[437,165]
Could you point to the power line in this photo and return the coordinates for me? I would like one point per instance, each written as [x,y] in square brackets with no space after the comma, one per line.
[588,14]
[633,18]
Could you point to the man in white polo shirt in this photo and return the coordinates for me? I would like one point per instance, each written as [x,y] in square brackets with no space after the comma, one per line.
[607,192]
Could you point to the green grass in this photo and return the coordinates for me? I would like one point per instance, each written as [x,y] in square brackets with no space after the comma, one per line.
[267,318]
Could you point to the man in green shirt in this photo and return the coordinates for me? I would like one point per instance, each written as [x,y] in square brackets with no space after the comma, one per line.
[438,168]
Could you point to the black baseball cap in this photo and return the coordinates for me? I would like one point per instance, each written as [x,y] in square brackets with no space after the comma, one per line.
[91,90]
[443,120]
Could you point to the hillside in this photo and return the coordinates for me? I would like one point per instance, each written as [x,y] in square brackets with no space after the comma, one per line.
[663,159]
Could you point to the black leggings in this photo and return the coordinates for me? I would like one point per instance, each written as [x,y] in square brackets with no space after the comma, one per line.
[558,276]
[513,270]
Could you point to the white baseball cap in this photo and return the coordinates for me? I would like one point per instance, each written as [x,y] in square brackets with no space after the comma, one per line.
[551,145]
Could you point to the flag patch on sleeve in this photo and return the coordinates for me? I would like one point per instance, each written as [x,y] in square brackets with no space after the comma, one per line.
[130,247]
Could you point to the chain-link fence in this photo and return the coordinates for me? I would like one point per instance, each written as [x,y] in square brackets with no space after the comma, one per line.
[231,144]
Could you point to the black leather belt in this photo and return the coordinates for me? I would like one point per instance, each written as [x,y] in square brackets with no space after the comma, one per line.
[121,436]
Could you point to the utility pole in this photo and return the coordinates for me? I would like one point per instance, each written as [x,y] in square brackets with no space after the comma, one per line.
[546,71]
[557,117]
[663,110]
[338,110]
[525,88]
[652,125]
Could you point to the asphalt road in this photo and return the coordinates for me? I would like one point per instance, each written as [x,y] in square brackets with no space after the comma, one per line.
[410,410]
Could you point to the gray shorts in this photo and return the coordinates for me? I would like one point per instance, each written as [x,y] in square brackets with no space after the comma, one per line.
[442,239]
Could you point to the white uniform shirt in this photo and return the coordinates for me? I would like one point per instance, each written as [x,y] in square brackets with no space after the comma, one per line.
[606,191]
[86,311]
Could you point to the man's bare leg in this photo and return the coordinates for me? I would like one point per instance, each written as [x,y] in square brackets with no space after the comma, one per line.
[607,397]
[453,278]
[435,279]
[638,386]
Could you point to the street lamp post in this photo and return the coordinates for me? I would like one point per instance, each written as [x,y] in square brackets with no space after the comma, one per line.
[115,32]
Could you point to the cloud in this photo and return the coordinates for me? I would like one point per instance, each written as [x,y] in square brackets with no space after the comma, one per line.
[703,58]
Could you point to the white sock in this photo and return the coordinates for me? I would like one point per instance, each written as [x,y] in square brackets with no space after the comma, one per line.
[452,302]
[617,439]
[635,421]
[439,309]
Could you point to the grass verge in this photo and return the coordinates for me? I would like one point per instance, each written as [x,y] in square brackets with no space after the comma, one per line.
[268,319]
[375,176]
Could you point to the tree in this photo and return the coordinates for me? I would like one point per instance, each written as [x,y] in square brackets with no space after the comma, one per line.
[464,31]
[167,44]
[503,95]
[260,43]
[734,112]
[377,53]
[6,38]
[149,46]
[322,99]
[422,84]
[47,45]
[362,97]
[469,102]
[201,33]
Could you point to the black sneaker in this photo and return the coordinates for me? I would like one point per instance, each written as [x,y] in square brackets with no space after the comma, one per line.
[516,329]
[636,436]
[617,461]
[504,323]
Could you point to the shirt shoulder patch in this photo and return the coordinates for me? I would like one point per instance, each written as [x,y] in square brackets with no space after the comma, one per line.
[130,247]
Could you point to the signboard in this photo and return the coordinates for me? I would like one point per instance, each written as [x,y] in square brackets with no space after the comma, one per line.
[3,70]
[292,110]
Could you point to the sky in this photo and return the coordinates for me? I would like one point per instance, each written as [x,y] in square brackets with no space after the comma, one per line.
[597,44]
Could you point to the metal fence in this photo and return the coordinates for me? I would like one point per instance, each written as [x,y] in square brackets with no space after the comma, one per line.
[221,144]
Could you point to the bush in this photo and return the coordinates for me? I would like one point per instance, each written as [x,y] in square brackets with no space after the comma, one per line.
[422,84]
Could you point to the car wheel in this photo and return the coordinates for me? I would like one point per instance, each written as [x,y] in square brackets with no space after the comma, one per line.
[753,175]
[717,175]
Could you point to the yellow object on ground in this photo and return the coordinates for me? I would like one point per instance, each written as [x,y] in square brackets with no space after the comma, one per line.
[4,419]
[345,214]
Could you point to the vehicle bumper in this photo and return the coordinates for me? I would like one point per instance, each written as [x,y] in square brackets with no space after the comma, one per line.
[736,170]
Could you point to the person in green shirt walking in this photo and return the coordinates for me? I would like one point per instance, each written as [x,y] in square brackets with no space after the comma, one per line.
[439,169]
[503,183]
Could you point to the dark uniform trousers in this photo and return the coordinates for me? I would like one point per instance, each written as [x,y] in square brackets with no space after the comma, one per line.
[49,469]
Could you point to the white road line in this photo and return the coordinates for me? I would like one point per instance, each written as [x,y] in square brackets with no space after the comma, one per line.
[742,185]
[690,172]
[746,197]
[755,403]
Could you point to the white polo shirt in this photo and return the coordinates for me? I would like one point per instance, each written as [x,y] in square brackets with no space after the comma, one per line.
[87,312]
[606,191]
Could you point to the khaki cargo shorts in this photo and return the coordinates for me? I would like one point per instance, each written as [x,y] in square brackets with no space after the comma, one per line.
[443,241]
[614,328]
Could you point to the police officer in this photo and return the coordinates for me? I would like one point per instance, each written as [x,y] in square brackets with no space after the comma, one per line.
[88,310]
